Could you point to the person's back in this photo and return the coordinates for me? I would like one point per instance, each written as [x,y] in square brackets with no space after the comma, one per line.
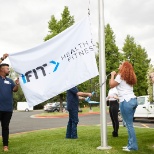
[124,81]
[125,91]
[72,99]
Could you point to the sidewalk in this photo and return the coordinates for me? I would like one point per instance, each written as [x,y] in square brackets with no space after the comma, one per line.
[62,116]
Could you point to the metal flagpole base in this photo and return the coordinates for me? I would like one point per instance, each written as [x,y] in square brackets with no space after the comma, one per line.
[104,148]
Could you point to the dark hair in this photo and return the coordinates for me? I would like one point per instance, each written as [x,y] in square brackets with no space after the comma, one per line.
[3,64]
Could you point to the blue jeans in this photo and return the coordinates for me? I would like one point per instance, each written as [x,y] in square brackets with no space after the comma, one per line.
[127,110]
[71,131]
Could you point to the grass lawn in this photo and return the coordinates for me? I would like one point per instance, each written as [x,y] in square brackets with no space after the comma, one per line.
[52,141]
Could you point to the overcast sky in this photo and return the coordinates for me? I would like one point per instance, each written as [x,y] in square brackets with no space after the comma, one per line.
[24,23]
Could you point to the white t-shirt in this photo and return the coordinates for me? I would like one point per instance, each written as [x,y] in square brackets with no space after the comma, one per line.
[125,91]
[112,92]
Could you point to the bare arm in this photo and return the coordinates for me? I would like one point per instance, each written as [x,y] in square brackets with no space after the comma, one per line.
[116,97]
[81,98]
[83,94]
[112,82]
[15,89]
[108,97]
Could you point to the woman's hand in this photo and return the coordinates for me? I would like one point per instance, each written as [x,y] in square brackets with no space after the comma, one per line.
[113,73]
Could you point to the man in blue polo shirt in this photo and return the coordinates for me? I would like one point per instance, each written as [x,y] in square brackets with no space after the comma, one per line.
[7,87]
[73,96]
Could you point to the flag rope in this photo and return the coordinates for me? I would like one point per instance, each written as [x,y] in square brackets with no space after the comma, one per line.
[103,82]
[90,23]
[89,8]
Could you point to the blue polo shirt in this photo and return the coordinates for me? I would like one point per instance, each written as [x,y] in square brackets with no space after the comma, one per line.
[72,99]
[6,94]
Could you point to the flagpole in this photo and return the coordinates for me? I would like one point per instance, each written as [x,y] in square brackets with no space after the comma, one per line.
[102,78]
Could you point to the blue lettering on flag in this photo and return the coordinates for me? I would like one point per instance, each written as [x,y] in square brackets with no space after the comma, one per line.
[55,63]
[26,77]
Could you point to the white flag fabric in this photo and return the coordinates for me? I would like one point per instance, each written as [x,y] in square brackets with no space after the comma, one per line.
[57,65]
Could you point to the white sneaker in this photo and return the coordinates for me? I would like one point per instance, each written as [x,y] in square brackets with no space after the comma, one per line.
[126,149]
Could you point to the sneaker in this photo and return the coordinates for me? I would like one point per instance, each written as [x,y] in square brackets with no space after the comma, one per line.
[126,149]
[5,148]
[114,134]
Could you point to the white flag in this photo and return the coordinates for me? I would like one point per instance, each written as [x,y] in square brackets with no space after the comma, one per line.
[57,65]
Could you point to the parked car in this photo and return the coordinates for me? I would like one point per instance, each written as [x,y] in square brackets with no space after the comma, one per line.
[145,109]
[54,107]
[48,105]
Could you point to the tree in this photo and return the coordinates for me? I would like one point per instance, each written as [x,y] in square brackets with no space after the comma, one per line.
[112,55]
[139,59]
[56,27]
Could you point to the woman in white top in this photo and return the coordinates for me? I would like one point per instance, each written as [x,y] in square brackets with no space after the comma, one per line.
[113,109]
[124,82]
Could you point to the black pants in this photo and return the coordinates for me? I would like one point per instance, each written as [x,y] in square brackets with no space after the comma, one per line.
[113,110]
[5,118]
